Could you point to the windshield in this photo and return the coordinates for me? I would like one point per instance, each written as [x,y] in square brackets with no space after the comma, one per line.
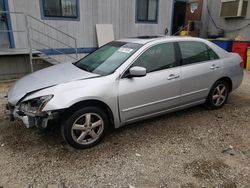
[108,58]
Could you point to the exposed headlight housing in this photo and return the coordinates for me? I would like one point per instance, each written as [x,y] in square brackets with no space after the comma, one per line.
[36,105]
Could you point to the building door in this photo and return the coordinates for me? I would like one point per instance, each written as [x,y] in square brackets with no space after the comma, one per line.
[179,15]
[187,15]
[4,36]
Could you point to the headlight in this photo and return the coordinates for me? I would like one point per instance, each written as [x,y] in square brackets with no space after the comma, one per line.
[36,105]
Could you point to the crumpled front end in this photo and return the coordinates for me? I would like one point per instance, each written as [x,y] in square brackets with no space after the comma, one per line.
[30,112]
[28,97]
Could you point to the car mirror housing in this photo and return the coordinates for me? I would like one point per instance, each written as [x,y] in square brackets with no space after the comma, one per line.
[137,71]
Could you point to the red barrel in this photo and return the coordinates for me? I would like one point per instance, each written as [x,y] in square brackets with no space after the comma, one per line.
[240,47]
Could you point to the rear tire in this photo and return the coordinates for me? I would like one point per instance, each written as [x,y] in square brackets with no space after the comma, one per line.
[85,128]
[218,95]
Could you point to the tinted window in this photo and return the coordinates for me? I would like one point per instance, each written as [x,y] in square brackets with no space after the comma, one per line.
[147,10]
[212,54]
[157,58]
[193,52]
[60,8]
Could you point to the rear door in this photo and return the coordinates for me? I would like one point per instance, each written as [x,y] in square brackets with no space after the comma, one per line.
[159,90]
[200,69]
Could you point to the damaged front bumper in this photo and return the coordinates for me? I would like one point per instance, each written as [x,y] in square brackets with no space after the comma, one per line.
[29,119]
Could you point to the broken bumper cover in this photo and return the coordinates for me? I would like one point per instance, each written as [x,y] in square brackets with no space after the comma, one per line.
[29,119]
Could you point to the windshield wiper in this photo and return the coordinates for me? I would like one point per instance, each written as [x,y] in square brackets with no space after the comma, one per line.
[85,68]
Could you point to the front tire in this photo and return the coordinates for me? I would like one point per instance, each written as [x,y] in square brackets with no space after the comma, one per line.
[218,95]
[85,128]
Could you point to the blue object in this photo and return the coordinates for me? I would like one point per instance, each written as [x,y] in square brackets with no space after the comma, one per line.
[225,44]
[60,51]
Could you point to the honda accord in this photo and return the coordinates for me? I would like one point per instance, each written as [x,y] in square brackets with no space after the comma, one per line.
[123,82]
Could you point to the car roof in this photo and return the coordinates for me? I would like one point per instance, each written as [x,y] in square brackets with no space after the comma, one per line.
[147,39]
[144,40]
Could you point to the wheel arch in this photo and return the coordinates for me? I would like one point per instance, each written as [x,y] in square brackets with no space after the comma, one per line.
[229,82]
[209,102]
[91,102]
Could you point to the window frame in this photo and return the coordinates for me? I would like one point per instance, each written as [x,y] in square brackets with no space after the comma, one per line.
[137,20]
[208,48]
[63,18]
[176,63]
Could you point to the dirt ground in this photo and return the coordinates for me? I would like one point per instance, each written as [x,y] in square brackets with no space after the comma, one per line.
[188,149]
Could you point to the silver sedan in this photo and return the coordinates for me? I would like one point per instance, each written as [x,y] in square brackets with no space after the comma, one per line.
[123,82]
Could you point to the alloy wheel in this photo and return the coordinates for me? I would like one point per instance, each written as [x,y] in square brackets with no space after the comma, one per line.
[219,95]
[87,128]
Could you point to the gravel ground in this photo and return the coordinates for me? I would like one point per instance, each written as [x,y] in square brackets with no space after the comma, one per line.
[187,149]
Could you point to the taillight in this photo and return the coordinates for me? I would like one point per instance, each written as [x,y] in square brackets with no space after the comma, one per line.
[242,64]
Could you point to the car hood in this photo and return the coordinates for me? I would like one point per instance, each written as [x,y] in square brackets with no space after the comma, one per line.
[45,78]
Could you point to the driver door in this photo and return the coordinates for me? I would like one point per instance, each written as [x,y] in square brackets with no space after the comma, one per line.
[158,91]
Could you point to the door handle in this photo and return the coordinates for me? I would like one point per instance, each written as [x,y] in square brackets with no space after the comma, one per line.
[214,67]
[173,76]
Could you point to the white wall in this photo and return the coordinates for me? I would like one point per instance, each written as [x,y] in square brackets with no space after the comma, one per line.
[120,13]
[226,24]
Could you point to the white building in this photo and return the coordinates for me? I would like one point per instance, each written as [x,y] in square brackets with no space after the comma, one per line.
[78,18]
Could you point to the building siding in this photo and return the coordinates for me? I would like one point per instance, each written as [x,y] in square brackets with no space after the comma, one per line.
[226,24]
[119,13]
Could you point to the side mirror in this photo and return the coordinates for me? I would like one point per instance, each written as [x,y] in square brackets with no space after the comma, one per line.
[137,71]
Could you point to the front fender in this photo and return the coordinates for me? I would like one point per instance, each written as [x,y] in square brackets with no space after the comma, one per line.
[66,95]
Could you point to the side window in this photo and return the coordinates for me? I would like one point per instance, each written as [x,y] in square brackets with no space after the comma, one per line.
[193,52]
[60,9]
[212,54]
[147,11]
[158,57]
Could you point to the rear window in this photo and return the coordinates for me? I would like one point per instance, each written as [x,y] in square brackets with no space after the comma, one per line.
[194,52]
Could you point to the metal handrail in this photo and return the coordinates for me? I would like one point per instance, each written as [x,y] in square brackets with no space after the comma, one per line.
[185,27]
[29,21]
[53,49]
[74,39]
[51,27]
[49,36]
[21,13]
